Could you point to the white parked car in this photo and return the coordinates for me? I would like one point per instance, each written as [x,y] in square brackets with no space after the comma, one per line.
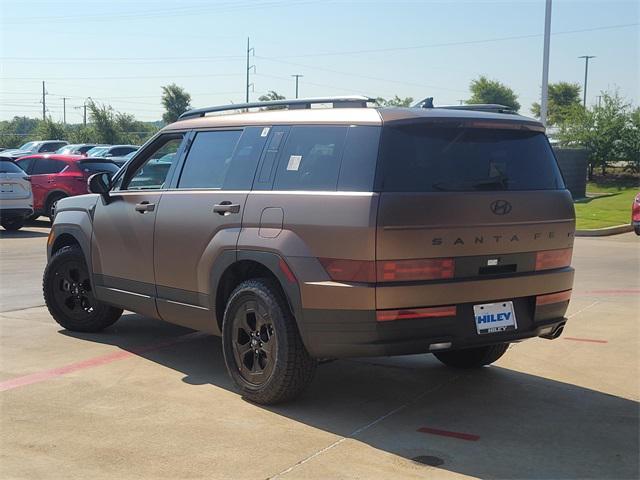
[16,197]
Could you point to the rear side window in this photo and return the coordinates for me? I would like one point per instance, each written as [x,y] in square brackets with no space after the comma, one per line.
[311,158]
[424,158]
[47,166]
[209,159]
[25,164]
[7,166]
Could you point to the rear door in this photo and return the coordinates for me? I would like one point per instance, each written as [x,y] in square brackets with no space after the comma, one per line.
[123,228]
[43,173]
[487,197]
[200,218]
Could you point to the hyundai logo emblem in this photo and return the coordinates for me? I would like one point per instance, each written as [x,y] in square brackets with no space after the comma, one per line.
[500,207]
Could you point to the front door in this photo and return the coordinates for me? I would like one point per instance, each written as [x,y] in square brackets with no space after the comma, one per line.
[199,221]
[123,228]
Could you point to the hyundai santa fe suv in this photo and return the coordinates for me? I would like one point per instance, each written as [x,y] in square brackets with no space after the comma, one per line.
[306,233]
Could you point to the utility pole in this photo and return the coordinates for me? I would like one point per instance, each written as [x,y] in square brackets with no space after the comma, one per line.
[461,101]
[250,50]
[586,73]
[297,77]
[44,103]
[84,112]
[64,110]
[599,100]
[545,63]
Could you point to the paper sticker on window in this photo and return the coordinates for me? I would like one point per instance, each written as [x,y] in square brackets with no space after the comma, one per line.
[294,163]
[265,132]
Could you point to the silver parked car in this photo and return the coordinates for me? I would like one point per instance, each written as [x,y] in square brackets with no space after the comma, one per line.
[16,197]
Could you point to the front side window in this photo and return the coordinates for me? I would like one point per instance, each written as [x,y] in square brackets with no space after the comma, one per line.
[47,166]
[311,158]
[209,159]
[153,173]
[51,147]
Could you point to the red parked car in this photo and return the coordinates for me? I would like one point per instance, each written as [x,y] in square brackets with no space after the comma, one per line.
[635,214]
[58,176]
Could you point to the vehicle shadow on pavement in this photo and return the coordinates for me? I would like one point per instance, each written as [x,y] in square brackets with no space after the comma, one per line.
[527,426]
[22,234]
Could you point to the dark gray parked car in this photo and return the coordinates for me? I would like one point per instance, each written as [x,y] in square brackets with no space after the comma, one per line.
[308,233]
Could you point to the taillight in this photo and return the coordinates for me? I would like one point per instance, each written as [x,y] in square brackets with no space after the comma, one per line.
[414,313]
[342,270]
[408,270]
[349,270]
[550,298]
[549,259]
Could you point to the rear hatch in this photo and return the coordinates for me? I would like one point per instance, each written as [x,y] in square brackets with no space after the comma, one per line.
[14,183]
[468,201]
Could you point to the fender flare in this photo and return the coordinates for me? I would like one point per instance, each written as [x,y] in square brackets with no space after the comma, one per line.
[269,260]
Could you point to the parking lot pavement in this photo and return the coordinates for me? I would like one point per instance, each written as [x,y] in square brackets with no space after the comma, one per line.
[145,399]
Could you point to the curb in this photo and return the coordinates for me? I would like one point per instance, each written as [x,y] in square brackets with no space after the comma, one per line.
[602,232]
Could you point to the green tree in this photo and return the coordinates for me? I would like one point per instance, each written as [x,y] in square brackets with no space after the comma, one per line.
[49,130]
[484,90]
[176,101]
[270,96]
[396,101]
[564,98]
[104,124]
[630,144]
[600,130]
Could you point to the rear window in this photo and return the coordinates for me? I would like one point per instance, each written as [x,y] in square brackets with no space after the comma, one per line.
[7,166]
[424,158]
[95,167]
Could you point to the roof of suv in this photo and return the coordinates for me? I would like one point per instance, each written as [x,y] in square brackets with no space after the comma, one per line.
[347,116]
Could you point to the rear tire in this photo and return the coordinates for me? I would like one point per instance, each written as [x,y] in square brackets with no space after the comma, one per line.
[69,297]
[262,347]
[50,208]
[13,224]
[472,357]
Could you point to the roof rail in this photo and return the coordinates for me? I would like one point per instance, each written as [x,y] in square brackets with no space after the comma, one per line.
[357,101]
[482,107]
[478,107]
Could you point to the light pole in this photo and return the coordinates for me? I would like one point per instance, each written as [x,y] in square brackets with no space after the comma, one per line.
[586,73]
[545,63]
[297,77]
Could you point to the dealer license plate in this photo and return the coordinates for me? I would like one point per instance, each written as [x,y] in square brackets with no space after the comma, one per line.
[494,317]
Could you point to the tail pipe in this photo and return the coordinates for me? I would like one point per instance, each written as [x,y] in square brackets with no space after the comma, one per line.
[555,333]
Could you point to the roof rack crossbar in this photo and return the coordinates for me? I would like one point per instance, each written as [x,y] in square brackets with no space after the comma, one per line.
[357,101]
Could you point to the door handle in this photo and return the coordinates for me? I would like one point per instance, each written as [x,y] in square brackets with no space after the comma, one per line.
[226,208]
[145,207]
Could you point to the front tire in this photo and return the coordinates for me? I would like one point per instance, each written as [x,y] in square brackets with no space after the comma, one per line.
[69,297]
[13,224]
[472,357]
[262,348]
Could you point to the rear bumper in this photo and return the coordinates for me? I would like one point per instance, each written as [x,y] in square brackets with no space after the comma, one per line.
[15,212]
[344,333]
[339,320]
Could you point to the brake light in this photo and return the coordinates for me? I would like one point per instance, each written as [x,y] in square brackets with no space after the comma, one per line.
[415,313]
[550,298]
[367,271]
[349,270]
[549,259]
[408,270]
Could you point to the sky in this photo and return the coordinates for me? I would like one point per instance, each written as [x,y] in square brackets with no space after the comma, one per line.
[120,52]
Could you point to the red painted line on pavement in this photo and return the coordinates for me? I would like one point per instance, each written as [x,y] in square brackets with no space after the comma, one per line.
[591,340]
[445,433]
[90,363]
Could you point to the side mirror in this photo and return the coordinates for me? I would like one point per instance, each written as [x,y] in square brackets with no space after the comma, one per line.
[100,183]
